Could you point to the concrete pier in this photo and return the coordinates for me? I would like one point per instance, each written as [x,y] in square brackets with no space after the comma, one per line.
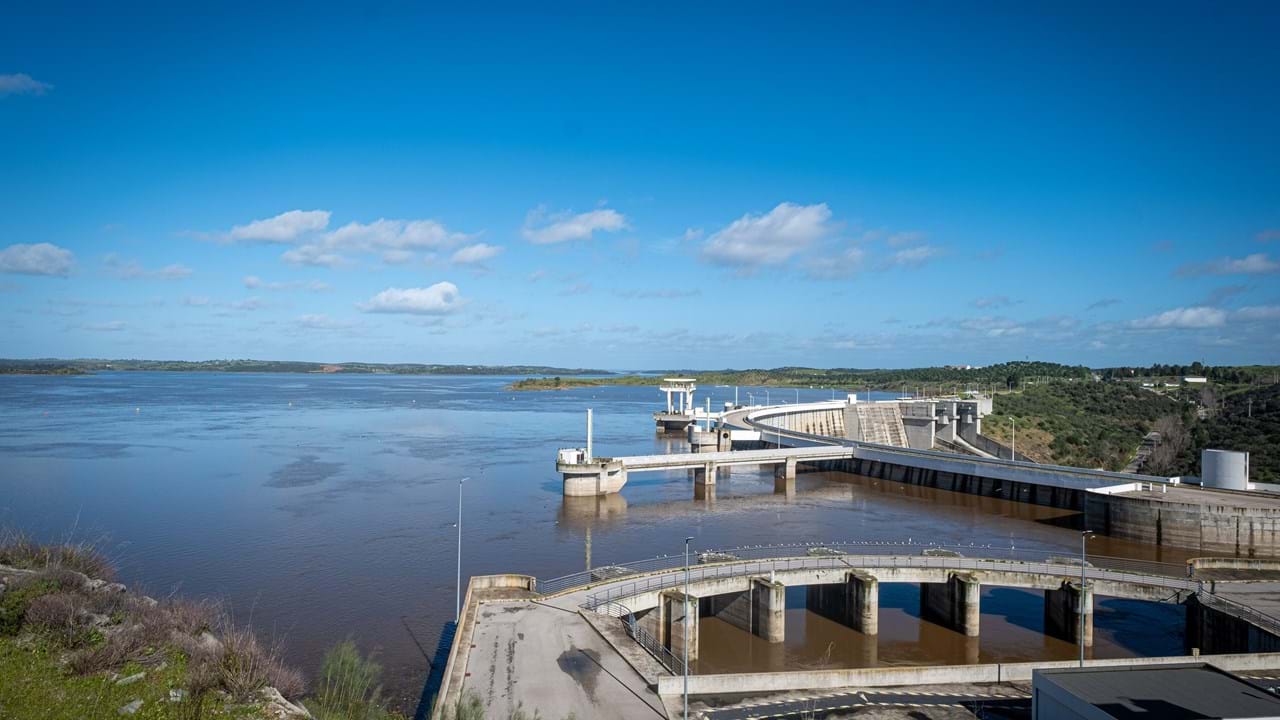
[955,604]
[1062,611]
[705,475]
[759,610]
[855,602]
[784,477]
[675,611]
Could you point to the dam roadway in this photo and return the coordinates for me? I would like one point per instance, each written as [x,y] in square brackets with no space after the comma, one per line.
[576,644]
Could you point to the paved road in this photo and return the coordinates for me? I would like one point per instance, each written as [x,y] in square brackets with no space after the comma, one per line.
[818,706]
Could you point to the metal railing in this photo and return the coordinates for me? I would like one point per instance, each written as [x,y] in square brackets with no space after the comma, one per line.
[1240,610]
[645,639]
[662,581]
[611,573]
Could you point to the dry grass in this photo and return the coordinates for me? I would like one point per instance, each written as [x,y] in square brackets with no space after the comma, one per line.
[101,630]
[20,551]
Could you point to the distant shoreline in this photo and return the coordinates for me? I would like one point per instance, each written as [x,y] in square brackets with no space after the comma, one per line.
[86,367]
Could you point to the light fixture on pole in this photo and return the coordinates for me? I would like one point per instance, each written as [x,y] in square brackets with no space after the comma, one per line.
[457,599]
[1084,537]
[685,623]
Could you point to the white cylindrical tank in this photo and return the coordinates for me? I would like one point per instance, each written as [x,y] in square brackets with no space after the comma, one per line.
[1224,469]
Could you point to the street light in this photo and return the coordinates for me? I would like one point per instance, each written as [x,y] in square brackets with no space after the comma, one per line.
[1085,535]
[685,623]
[457,599]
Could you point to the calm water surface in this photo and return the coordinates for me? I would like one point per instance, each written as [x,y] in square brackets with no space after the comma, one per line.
[321,507]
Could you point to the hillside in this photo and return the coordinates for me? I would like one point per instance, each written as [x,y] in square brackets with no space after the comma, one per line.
[1084,424]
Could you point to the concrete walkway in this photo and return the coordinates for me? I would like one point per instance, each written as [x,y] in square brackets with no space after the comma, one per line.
[549,659]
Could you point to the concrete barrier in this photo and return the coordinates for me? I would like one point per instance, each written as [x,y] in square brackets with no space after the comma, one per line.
[1223,563]
[930,675]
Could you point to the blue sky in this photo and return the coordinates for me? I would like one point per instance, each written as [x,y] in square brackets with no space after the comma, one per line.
[731,185]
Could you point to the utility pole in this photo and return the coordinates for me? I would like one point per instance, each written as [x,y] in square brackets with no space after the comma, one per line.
[1013,447]
[685,624]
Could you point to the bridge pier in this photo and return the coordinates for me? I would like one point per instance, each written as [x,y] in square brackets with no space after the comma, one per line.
[1062,610]
[954,604]
[784,477]
[675,611]
[855,603]
[761,610]
[705,475]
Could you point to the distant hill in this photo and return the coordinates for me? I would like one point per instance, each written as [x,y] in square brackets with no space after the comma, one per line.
[72,367]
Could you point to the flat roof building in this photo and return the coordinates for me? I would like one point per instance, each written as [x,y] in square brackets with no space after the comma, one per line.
[1147,692]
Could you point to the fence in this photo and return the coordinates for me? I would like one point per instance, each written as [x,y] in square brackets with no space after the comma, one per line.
[672,663]
[837,550]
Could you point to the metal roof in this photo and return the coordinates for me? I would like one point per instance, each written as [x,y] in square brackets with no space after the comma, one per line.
[1146,692]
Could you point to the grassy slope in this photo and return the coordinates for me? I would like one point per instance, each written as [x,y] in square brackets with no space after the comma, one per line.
[35,687]
[1085,424]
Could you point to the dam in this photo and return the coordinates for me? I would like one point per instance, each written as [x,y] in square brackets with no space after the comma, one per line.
[938,443]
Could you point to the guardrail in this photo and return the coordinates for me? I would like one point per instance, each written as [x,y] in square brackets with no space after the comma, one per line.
[1242,611]
[611,573]
[651,583]
[668,659]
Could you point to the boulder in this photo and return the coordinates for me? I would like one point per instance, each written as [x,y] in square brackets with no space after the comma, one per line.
[130,709]
[278,708]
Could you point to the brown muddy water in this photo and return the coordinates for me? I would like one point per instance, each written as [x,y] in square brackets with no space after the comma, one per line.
[321,507]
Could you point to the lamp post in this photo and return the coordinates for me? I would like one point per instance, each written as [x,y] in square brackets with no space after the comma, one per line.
[457,599]
[1084,537]
[685,624]
[1013,447]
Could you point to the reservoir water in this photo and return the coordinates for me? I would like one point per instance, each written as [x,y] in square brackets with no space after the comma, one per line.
[321,507]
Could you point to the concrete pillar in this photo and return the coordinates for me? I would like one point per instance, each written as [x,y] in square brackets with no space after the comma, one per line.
[855,602]
[954,604]
[769,599]
[705,475]
[668,401]
[1062,610]
[675,609]
[786,470]
[760,610]
[704,492]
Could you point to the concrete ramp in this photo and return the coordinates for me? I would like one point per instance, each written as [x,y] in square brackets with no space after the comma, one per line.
[881,423]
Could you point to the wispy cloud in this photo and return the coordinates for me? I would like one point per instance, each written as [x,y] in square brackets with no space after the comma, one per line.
[542,228]
[1254,264]
[1183,318]
[773,238]
[993,302]
[111,326]
[286,227]
[441,298]
[314,256]
[322,322]
[836,265]
[913,256]
[253,282]
[133,270]
[1268,235]
[658,293]
[37,259]
[1258,312]
[1103,303]
[476,254]
[22,84]
[581,288]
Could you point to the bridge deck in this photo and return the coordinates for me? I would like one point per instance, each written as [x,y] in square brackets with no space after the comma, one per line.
[734,457]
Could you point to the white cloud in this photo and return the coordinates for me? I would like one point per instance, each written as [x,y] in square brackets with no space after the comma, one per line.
[253,282]
[37,259]
[22,84]
[474,254]
[543,229]
[132,269]
[769,239]
[314,256]
[992,301]
[283,228]
[1259,312]
[397,257]
[913,256]
[1255,264]
[112,326]
[1183,317]
[383,234]
[196,300]
[905,238]
[439,299]
[322,322]
[836,266]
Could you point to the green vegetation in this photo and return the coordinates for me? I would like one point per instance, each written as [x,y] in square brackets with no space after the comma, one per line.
[1002,376]
[1096,425]
[471,707]
[1245,418]
[79,367]
[350,687]
[74,647]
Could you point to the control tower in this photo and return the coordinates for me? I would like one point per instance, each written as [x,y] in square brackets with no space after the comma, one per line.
[679,412]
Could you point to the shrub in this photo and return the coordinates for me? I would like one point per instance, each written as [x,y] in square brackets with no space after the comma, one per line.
[350,686]
[16,600]
[63,616]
